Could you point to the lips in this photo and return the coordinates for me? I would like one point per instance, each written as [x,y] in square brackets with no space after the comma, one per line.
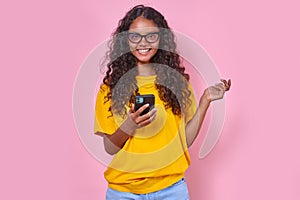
[144,51]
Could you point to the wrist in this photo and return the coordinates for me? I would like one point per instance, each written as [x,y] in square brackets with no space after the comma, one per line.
[205,98]
[128,127]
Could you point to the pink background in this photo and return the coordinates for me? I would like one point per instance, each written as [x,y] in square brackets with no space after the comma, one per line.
[255,43]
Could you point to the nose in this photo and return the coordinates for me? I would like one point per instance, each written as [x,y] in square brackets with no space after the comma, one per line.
[142,44]
[143,41]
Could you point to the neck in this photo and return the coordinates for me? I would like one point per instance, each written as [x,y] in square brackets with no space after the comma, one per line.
[145,69]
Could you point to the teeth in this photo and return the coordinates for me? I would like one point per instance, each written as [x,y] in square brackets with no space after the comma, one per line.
[143,50]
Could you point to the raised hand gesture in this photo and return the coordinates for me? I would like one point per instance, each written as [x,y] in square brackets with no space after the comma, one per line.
[217,91]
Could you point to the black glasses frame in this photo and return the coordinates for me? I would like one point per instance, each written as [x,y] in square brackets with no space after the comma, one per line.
[143,36]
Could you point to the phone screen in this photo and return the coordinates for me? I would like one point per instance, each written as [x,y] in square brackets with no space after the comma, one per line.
[141,100]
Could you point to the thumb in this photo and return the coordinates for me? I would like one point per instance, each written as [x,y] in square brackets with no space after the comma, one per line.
[132,109]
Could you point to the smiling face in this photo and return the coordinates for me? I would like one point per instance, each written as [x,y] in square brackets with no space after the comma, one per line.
[143,39]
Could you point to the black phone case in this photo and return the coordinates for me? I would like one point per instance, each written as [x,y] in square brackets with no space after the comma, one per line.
[147,98]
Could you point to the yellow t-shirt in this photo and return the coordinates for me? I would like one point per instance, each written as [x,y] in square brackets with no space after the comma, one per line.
[157,156]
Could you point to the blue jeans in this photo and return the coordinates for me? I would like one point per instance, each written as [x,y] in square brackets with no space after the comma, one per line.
[177,191]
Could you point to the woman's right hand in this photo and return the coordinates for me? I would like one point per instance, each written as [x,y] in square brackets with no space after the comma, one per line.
[135,121]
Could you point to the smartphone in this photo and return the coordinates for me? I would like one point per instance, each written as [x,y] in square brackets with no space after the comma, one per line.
[141,100]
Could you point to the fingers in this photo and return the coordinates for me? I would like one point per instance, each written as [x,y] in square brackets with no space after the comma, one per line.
[141,109]
[132,109]
[220,86]
[218,90]
[146,118]
[227,84]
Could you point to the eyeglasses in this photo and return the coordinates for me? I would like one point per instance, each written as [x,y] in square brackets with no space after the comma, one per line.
[136,37]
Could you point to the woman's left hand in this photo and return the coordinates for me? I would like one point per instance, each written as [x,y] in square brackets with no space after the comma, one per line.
[217,91]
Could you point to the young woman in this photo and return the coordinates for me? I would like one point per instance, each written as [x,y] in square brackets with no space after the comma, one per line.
[150,150]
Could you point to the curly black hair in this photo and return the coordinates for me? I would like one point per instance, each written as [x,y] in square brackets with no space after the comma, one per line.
[173,89]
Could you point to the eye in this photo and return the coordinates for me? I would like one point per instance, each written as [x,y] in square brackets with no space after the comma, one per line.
[134,36]
[152,36]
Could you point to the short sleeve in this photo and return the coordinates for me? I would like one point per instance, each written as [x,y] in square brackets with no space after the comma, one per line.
[104,121]
[192,107]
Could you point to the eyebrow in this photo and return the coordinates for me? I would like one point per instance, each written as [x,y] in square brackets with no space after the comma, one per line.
[143,34]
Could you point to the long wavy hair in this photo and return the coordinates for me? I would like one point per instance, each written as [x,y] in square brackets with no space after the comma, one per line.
[173,89]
